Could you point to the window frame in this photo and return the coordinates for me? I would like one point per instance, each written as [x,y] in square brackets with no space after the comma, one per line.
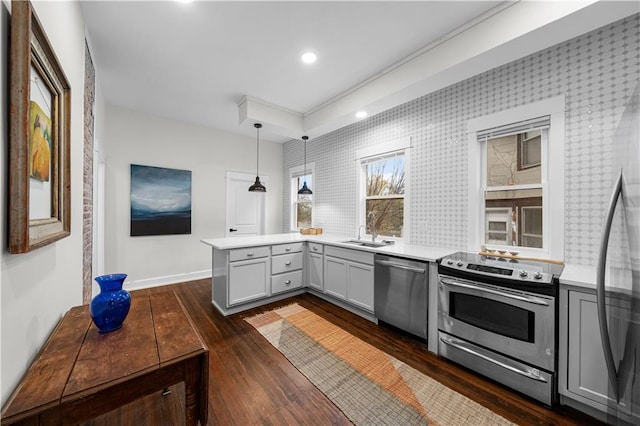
[552,175]
[362,157]
[294,173]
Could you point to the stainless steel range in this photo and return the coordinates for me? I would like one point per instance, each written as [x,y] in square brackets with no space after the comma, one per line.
[498,316]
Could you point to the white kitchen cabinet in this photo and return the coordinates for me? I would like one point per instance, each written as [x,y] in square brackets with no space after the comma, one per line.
[248,280]
[315,266]
[583,372]
[285,282]
[335,277]
[348,275]
[360,285]
[286,267]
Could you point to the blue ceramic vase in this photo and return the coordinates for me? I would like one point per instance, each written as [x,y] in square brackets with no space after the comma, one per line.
[110,307]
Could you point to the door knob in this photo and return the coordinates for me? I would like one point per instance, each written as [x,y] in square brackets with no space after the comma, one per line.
[233,230]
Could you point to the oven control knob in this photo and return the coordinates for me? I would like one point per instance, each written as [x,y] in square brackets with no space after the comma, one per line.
[523,274]
[449,262]
[537,275]
[459,263]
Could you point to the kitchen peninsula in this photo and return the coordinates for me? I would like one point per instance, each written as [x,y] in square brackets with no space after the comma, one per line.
[255,270]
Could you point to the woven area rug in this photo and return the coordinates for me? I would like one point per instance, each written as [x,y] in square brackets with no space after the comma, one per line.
[368,385]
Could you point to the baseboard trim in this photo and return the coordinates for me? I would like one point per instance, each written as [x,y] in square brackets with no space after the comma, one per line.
[169,279]
[347,306]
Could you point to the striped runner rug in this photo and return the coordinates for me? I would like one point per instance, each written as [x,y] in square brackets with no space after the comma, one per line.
[368,385]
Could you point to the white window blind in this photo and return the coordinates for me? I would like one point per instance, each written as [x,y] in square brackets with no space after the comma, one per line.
[514,128]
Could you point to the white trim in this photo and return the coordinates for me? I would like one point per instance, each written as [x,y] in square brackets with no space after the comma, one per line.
[549,106]
[165,280]
[552,169]
[383,148]
[300,170]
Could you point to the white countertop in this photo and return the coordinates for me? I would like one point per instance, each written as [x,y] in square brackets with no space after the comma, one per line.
[578,276]
[411,251]
[585,277]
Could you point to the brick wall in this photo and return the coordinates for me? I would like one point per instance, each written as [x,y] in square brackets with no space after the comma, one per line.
[87,172]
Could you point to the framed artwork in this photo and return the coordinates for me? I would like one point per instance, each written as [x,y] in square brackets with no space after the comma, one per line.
[160,201]
[39,137]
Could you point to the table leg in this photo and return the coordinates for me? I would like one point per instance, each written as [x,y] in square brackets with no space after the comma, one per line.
[192,391]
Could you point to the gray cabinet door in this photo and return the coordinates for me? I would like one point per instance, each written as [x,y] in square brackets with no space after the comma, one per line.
[315,271]
[360,290]
[335,277]
[248,280]
[586,369]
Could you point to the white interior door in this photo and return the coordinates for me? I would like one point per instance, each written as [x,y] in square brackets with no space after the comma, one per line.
[245,210]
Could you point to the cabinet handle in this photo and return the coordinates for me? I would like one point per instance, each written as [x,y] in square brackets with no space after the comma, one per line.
[249,254]
[287,282]
[315,249]
[287,249]
[288,263]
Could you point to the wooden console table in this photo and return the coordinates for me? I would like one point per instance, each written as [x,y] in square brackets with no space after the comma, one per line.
[81,374]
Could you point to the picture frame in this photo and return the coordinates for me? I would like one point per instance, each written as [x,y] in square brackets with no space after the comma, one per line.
[39,136]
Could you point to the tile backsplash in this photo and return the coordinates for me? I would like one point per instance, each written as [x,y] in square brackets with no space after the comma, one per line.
[596,72]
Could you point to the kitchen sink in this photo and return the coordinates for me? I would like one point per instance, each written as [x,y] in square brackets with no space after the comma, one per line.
[363,243]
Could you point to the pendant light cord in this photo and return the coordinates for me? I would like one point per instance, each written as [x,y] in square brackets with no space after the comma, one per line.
[257,126]
[257,150]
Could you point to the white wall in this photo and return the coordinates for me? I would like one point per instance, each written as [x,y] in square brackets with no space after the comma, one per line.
[39,287]
[135,138]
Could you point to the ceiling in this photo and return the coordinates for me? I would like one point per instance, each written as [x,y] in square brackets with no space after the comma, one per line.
[226,65]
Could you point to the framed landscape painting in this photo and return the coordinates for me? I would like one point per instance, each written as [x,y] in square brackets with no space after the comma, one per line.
[160,201]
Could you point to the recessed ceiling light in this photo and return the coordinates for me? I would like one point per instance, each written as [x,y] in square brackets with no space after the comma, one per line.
[309,57]
[361,114]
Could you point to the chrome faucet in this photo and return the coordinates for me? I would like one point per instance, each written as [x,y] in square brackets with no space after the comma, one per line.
[361,226]
[372,225]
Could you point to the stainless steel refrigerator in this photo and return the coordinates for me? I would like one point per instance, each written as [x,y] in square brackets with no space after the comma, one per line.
[618,273]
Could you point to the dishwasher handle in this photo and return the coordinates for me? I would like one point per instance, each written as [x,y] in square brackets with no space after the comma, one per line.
[400,266]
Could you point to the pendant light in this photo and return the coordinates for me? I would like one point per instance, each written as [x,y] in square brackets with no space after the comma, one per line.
[257,186]
[305,190]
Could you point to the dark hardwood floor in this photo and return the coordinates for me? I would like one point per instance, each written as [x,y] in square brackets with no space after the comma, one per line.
[252,383]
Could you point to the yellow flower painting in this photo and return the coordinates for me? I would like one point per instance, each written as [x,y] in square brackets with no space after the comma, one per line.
[39,143]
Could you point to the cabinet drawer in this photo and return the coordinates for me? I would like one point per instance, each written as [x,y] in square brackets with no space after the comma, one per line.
[286,263]
[248,253]
[286,248]
[315,248]
[284,282]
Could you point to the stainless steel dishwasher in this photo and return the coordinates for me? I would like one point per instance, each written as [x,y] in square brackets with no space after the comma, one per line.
[401,292]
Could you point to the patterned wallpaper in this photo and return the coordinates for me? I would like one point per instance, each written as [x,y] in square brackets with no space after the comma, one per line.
[596,72]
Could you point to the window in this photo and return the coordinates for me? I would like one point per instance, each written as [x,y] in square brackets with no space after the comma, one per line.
[384,198]
[516,179]
[513,187]
[383,205]
[532,227]
[301,205]
[529,149]
[498,226]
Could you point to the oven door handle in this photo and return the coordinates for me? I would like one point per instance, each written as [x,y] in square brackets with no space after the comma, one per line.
[460,345]
[520,297]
